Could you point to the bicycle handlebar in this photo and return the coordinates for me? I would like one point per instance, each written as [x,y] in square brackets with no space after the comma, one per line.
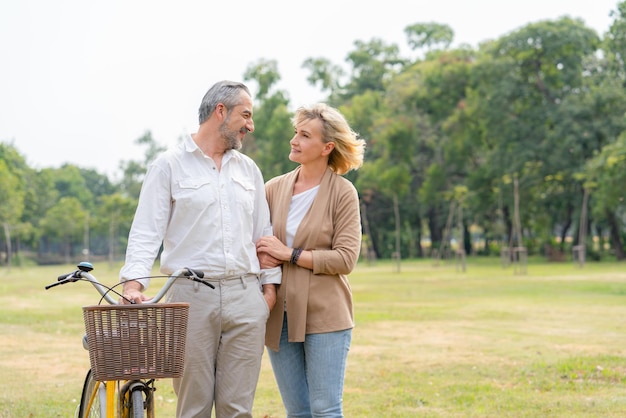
[83,274]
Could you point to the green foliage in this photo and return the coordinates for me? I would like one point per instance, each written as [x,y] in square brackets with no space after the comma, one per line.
[544,102]
[11,196]
[133,171]
[323,73]
[265,73]
[372,63]
[269,145]
[428,35]
[607,174]
[65,220]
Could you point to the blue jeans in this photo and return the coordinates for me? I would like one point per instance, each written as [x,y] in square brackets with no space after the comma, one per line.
[310,374]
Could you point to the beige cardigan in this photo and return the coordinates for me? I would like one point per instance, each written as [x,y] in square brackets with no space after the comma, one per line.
[319,300]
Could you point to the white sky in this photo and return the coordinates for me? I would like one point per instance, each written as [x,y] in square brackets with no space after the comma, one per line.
[80,80]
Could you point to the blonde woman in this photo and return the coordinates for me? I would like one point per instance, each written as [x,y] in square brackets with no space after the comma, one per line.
[317,238]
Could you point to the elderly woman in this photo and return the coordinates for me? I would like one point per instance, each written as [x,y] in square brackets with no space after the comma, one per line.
[317,227]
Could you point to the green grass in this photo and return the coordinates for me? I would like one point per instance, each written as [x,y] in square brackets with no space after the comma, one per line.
[430,341]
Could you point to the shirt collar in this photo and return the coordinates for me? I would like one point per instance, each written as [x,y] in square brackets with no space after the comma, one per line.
[190,146]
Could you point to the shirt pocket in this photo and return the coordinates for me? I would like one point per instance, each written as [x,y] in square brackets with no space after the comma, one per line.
[244,194]
[197,192]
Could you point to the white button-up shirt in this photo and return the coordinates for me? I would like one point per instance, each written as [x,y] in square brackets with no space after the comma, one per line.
[207,219]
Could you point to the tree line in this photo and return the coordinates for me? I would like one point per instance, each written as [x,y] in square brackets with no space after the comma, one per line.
[520,141]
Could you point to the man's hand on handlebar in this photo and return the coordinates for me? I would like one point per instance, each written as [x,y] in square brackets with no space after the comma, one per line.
[132,293]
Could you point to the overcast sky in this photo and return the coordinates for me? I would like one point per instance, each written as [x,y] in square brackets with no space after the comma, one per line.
[80,80]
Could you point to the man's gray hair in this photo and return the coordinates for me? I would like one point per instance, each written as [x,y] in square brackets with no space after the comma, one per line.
[226,92]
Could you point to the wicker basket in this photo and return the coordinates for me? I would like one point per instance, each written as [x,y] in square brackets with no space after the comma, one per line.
[136,341]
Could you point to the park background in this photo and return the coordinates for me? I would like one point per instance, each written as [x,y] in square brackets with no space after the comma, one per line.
[476,156]
[512,148]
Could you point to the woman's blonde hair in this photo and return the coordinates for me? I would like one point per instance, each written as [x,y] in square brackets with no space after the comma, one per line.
[349,148]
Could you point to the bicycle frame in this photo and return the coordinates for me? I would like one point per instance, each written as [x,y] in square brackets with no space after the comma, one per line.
[115,399]
[104,392]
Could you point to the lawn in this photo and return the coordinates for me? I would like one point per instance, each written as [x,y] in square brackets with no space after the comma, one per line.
[430,341]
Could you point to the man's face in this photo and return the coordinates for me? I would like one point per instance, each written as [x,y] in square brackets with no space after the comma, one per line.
[238,123]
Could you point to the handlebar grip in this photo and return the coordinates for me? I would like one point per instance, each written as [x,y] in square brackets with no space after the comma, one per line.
[61,281]
[64,276]
[198,273]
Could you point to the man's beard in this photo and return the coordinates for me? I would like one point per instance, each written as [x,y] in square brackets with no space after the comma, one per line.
[231,136]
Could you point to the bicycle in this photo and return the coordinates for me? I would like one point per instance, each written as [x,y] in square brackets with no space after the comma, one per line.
[130,346]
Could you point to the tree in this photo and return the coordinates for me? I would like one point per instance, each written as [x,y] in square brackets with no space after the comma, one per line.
[323,73]
[269,144]
[429,94]
[11,204]
[607,176]
[615,43]
[113,219]
[429,36]
[373,63]
[64,223]
[15,199]
[526,93]
[134,171]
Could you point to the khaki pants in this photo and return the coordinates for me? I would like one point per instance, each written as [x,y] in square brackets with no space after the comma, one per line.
[224,347]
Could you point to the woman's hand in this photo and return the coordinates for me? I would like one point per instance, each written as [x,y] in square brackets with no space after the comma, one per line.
[271,251]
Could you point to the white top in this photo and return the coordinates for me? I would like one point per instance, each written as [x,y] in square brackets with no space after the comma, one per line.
[300,204]
[207,219]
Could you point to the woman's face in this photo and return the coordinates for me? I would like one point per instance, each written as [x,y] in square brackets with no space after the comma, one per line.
[307,144]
